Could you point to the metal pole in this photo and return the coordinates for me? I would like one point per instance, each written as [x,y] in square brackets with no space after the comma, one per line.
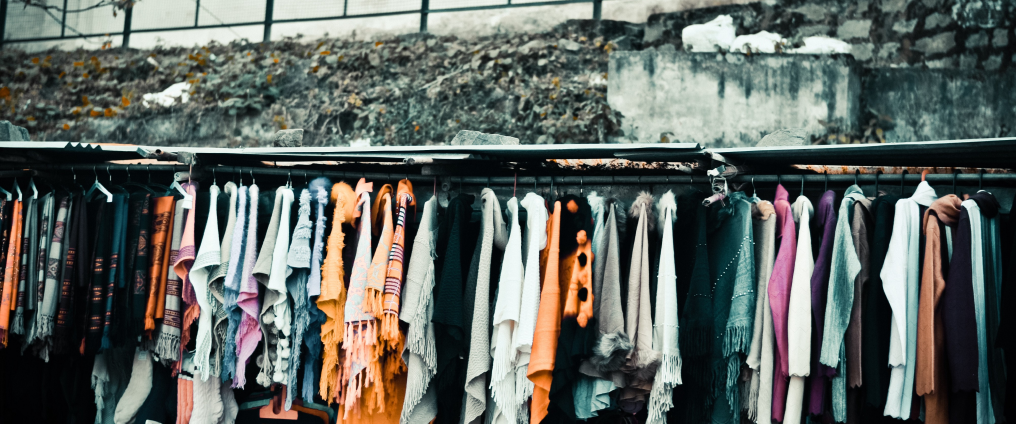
[597,9]
[63,20]
[128,12]
[3,21]
[424,11]
[269,9]
[197,11]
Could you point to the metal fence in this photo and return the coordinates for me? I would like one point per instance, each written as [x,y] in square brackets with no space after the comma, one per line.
[83,19]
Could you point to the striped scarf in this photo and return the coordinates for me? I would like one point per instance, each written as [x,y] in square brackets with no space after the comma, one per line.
[47,312]
[10,272]
[29,239]
[162,225]
[393,276]
[167,345]
[98,285]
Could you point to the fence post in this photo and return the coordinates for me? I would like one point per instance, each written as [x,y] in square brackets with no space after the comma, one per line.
[424,11]
[597,9]
[269,8]
[3,21]
[63,20]
[127,13]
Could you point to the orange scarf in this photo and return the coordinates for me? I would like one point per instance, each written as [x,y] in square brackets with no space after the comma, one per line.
[333,294]
[381,221]
[548,323]
[10,272]
[162,226]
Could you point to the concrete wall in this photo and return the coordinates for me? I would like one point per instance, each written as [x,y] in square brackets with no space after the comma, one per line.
[927,104]
[729,100]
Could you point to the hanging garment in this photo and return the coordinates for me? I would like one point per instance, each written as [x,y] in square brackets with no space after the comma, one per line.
[361,369]
[420,404]
[162,225]
[97,288]
[114,273]
[247,334]
[262,274]
[63,331]
[665,327]
[333,294]
[298,268]
[207,260]
[930,378]
[845,268]
[990,228]
[985,414]
[760,356]
[182,266]
[799,312]
[216,283]
[548,324]
[25,271]
[312,337]
[506,318]
[779,297]
[877,315]
[140,246]
[494,235]
[35,294]
[825,227]
[641,363]
[276,319]
[534,243]
[231,286]
[13,259]
[383,229]
[137,390]
[46,319]
[900,280]
[860,231]
[169,330]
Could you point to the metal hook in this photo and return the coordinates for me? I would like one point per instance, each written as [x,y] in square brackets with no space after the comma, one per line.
[148,168]
[754,191]
[75,175]
[980,179]
[289,179]
[955,173]
[128,169]
[903,178]
[877,174]
[827,181]
[110,174]
[581,187]
[856,173]
[802,185]
[96,174]
[214,180]
[252,181]
[779,179]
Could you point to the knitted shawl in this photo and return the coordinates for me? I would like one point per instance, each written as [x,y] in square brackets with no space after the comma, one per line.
[276,316]
[332,300]
[799,312]
[506,318]
[162,226]
[207,260]
[298,263]
[167,346]
[319,191]
[247,334]
[760,357]
[665,327]
[231,286]
[26,269]
[825,226]
[361,366]
[548,323]
[11,272]
[845,267]
[182,266]
[420,404]
[38,287]
[216,283]
[493,235]
[273,251]
[779,297]
[641,363]
[47,310]
[522,339]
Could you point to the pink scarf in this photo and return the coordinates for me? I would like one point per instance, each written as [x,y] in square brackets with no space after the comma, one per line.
[182,267]
[249,333]
[779,296]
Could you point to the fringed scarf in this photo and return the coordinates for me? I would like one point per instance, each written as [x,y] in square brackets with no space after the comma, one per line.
[25,271]
[141,221]
[96,317]
[162,226]
[312,362]
[63,332]
[5,232]
[522,340]
[506,319]
[361,366]
[217,287]
[263,273]
[298,261]
[760,356]
[247,334]
[167,344]
[10,272]
[54,266]
[207,260]
[114,273]
[390,334]
[332,300]
[238,256]
[642,362]
[35,301]
[275,313]
[182,266]
[665,329]
[420,404]
[381,220]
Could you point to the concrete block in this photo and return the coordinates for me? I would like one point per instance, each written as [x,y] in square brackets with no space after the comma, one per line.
[287,138]
[905,27]
[992,63]
[11,132]
[857,28]
[936,44]
[968,61]
[1001,38]
[980,102]
[945,62]
[936,20]
[476,138]
[730,103]
[977,39]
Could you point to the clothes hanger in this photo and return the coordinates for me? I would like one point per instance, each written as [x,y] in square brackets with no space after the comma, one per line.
[924,174]
[98,186]
[877,174]
[754,192]
[117,187]
[274,409]
[35,190]
[955,173]
[802,185]
[187,201]
[515,185]
[131,183]
[165,190]
[857,172]
[903,178]
[17,189]
[6,194]
[826,186]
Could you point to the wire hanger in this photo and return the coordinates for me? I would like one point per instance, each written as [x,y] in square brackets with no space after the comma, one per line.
[515,185]
[17,189]
[582,187]
[130,183]
[955,173]
[98,186]
[924,174]
[754,191]
[802,185]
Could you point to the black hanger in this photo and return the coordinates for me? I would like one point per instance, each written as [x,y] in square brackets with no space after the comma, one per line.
[802,185]
[980,179]
[903,178]
[877,174]
[955,173]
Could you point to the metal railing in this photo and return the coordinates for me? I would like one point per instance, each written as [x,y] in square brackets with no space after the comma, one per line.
[60,18]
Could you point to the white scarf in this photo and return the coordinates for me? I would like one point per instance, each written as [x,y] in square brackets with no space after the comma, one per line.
[522,342]
[760,357]
[665,329]
[506,318]
[207,259]
[137,390]
[799,312]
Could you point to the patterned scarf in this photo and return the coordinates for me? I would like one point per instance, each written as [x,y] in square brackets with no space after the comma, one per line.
[361,367]
[26,273]
[140,223]
[10,271]
[162,225]
[167,344]
[114,274]
[42,255]
[393,276]
[5,228]
[381,220]
[47,311]
[182,266]
[97,286]
[76,232]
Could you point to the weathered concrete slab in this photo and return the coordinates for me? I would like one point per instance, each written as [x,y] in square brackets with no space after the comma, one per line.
[728,100]
[943,104]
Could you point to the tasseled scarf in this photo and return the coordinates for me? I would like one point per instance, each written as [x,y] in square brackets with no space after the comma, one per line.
[38,289]
[298,261]
[247,334]
[420,404]
[25,270]
[642,361]
[390,333]
[217,288]
[319,192]
[238,255]
[47,311]
[383,229]
[162,226]
[182,266]
[665,329]
[167,344]
[332,300]
[206,261]
[506,318]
